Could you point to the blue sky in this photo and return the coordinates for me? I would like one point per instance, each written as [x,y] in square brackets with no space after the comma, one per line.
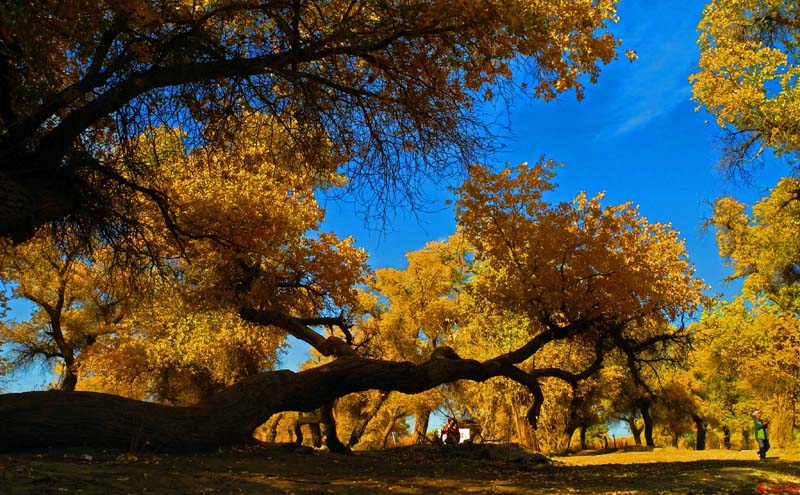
[636,136]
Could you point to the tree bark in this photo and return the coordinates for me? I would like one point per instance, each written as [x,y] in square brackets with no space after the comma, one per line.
[644,408]
[55,418]
[700,428]
[583,436]
[635,431]
[421,420]
[313,422]
[273,430]
[387,431]
[524,437]
[726,437]
[70,380]
[569,432]
[364,419]
[331,436]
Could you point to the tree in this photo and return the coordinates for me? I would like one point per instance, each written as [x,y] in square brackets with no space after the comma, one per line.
[185,338]
[749,69]
[407,315]
[178,339]
[72,309]
[679,408]
[599,279]
[762,245]
[501,405]
[390,86]
[756,331]
[759,345]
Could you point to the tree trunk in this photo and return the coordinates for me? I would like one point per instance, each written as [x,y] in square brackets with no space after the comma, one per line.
[583,437]
[390,426]
[273,430]
[364,420]
[31,200]
[636,432]
[523,429]
[298,433]
[316,435]
[331,436]
[648,423]
[726,437]
[700,428]
[55,418]
[69,381]
[568,434]
[421,420]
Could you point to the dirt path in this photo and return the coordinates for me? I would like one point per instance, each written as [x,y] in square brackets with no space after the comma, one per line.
[500,470]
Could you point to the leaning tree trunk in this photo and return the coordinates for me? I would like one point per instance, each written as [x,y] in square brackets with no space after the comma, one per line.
[55,418]
[635,431]
[387,431]
[363,421]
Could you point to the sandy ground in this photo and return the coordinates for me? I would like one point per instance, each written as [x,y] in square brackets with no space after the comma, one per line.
[282,469]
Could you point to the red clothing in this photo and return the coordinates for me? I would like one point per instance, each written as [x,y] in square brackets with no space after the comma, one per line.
[450,433]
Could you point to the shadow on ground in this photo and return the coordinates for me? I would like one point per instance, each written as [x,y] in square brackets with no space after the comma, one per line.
[412,470]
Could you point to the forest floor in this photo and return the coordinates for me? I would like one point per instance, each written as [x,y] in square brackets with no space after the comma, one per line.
[499,469]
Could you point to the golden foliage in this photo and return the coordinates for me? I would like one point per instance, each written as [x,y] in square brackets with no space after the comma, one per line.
[762,245]
[572,261]
[748,74]
[388,87]
[758,345]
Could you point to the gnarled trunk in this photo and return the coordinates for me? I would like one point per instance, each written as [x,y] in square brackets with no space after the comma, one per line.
[56,418]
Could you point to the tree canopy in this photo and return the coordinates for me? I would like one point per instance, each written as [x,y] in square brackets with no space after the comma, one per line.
[762,244]
[749,69]
[383,90]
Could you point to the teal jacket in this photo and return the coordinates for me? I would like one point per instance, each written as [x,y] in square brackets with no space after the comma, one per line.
[760,429]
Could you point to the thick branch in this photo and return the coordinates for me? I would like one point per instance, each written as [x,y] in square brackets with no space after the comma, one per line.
[574,378]
[42,419]
[296,327]
[139,83]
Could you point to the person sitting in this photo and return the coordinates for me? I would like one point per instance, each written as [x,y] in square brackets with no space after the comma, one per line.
[450,433]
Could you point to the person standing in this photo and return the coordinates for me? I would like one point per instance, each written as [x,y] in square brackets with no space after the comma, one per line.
[760,427]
